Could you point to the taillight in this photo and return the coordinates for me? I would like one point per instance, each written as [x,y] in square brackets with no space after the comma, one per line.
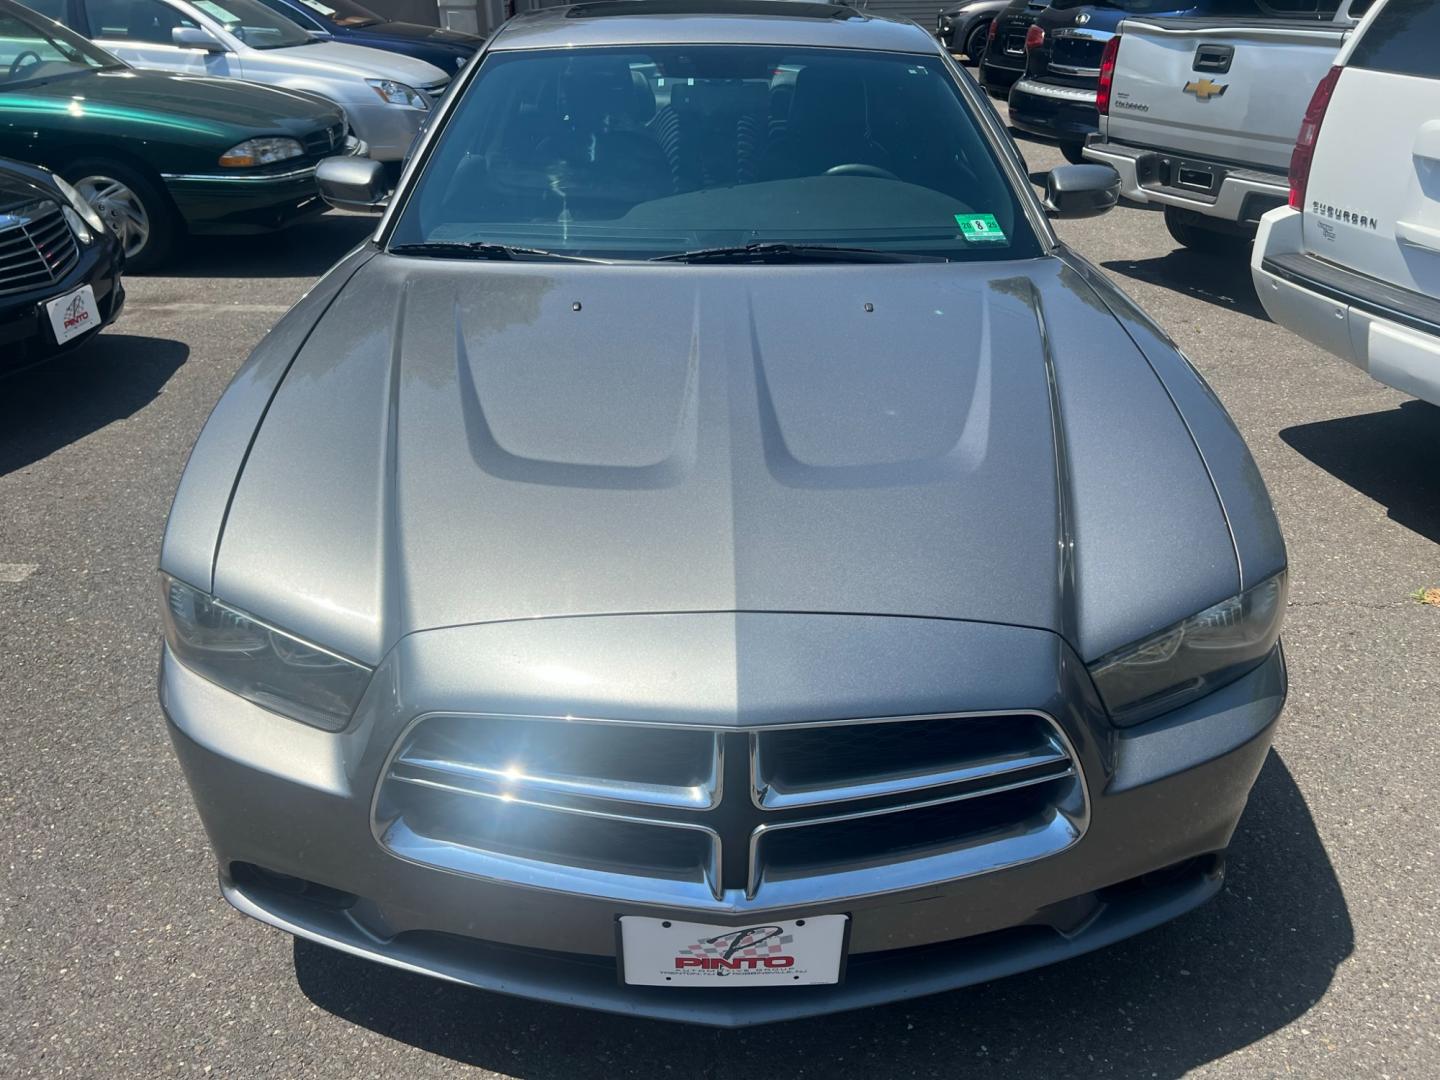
[1304,152]
[994,29]
[1034,37]
[1107,75]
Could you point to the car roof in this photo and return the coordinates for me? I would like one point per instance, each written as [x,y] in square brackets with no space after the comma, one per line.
[717,22]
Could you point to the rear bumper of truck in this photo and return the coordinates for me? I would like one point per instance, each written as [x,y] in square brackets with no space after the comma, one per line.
[1212,189]
[1390,333]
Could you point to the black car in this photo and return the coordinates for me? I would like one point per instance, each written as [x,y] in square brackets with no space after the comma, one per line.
[59,267]
[1003,61]
[345,20]
[966,27]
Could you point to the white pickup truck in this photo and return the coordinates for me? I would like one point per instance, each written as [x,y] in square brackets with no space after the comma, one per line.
[1199,115]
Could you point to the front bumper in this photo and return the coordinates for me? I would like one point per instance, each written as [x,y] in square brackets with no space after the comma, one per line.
[1053,111]
[388,130]
[1212,189]
[1392,334]
[241,203]
[25,334]
[289,812]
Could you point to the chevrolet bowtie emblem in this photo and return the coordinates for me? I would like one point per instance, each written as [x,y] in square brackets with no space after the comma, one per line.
[1204,90]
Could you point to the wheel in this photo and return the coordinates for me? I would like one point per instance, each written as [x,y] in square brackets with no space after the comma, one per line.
[134,207]
[976,40]
[1074,152]
[1198,238]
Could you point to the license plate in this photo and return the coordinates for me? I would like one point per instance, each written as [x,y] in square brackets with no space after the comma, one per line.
[73,314]
[663,952]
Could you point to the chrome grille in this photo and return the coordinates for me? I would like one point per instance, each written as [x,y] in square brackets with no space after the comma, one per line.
[811,812]
[320,143]
[37,247]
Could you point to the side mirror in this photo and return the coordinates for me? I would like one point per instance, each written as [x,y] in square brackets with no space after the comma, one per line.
[353,183]
[195,37]
[1079,191]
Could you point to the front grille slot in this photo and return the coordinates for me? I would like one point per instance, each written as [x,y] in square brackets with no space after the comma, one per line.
[644,812]
[811,766]
[871,840]
[37,247]
[539,759]
[589,842]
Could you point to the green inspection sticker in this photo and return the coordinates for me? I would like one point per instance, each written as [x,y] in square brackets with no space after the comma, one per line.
[980,228]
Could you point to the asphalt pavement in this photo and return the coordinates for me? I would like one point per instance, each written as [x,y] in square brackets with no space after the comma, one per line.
[1321,958]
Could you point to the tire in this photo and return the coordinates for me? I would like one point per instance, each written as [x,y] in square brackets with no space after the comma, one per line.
[1074,152]
[1198,238]
[135,207]
[975,41]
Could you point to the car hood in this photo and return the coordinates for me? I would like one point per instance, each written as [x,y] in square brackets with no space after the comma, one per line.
[198,104]
[343,58]
[469,442]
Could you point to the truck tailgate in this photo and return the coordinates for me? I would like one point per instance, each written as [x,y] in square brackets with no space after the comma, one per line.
[1220,89]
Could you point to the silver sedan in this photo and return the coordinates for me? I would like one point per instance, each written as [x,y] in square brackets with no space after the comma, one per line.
[715,554]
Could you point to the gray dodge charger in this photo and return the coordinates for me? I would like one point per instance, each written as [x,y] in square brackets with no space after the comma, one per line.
[714,553]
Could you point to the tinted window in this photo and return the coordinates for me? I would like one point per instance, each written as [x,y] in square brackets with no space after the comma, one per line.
[134,20]
[1404,39]
[635,153]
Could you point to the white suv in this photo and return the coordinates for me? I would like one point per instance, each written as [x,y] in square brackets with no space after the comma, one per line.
[1353,263]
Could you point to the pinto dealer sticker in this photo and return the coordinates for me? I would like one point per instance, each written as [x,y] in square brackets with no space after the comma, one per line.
[801,952]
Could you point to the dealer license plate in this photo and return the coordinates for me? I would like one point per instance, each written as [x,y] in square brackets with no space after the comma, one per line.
[800,952]
[73,314]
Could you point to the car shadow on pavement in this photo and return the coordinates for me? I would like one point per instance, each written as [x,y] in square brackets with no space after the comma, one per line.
[1392,457]
[1250,962]
[307,249]
[1220,280]
[60,401]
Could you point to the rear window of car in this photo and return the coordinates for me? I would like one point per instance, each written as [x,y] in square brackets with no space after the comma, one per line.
[1404,39]
[650,151]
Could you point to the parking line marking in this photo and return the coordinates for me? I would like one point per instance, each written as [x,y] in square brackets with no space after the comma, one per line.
[13,572]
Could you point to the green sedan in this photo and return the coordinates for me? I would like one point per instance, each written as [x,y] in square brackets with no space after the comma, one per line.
[160,155]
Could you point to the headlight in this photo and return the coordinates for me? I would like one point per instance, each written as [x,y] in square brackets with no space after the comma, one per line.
[260,663]
[80,208]
[397,93]
[260,152]
[1193,657]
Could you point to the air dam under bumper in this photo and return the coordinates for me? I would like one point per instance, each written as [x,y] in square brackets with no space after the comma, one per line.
[1161,801]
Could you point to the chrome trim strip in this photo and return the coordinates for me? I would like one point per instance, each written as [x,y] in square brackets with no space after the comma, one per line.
[703,796]
[769,797]
[228,178]
[1059,93]
[1082,72]
[760,832]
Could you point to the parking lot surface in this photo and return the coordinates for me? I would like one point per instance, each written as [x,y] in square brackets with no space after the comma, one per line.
[1321,958]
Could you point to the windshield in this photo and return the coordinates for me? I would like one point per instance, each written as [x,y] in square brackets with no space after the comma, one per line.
[342,12]
[255,24]
[35,51]
[652,151]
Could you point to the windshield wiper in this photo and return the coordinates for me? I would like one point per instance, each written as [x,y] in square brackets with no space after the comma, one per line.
[481,249]
[780,251]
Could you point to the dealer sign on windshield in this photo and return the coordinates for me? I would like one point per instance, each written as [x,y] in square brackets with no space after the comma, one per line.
[662,952]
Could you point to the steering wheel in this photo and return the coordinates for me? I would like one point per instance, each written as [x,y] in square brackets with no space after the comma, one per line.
[855,168]
[20,59]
